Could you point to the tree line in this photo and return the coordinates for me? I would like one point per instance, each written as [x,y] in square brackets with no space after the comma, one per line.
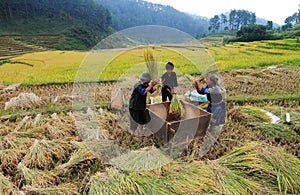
[233,21]
[131,13]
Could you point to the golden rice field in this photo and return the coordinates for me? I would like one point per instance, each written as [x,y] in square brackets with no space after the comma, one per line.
[43,152]
[62,66]
[254,54]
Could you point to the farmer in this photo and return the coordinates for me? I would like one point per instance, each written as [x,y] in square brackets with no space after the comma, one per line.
[137,104]
[169,82]
[215,95]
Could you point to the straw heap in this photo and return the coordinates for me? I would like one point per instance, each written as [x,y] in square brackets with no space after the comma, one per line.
[151,63]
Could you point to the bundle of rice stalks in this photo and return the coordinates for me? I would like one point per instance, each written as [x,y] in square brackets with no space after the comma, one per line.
[23,101]
[142,159]
[193,79]
[257,113]
[249,114]
[45,154]
[11,141]
[188,178]
[35,132]
[4,130]
[80,161]
[9,159]
[7,187]
[258,163]
[24,123]
[35,177]
[255,168]
[279,132]
[60,131]
[63,189]
[235,182]
[176,108]
[285,168]
[151,63]
[112,182]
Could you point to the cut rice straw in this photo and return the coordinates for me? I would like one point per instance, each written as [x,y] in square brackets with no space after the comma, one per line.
[151,63]
[176,107]
[6,186]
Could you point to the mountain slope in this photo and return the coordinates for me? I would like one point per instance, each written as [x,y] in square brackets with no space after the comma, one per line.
[78,24]
[131,13]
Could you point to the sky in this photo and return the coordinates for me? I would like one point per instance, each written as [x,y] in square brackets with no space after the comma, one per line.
[273,10]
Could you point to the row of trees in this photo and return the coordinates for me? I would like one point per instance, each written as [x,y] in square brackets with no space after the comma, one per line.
[233,21]
[130,13]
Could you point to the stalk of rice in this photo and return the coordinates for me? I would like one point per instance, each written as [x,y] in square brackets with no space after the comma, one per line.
[9,159]
[193,79]
[45,154]
[63,189]
[6,186]
[151,63]
[176,108]
[112,182]
[82,157]
[284,167]
[257,113]
[259,163]
[37,178]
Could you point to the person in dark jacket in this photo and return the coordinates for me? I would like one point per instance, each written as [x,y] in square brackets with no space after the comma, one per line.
[169,82]
[215,98]
[139,115]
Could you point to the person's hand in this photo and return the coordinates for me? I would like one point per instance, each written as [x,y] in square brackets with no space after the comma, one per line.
[173,91]
[153,83]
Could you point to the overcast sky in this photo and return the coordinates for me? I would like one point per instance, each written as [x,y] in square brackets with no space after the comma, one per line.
[273,10]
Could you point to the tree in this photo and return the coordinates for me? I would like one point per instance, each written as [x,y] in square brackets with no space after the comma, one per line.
[252,33]
[269,25]
[214,24]
[232,19]
[223,21]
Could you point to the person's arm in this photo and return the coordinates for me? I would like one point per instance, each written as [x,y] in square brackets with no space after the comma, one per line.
[199,87]
[174,91]
[149,88]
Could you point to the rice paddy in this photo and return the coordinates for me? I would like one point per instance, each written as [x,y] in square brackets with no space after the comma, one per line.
[42,151]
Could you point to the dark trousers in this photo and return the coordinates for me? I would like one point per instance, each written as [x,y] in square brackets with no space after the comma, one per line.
[137,117]
[165,94]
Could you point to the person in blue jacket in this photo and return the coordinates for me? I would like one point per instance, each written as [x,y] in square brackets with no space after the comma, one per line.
[139,115]
[215,98]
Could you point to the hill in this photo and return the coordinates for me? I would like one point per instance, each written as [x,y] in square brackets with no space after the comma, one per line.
[131,13]
[76,24]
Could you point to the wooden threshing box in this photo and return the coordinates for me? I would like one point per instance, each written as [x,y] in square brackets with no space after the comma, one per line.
[193,123]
